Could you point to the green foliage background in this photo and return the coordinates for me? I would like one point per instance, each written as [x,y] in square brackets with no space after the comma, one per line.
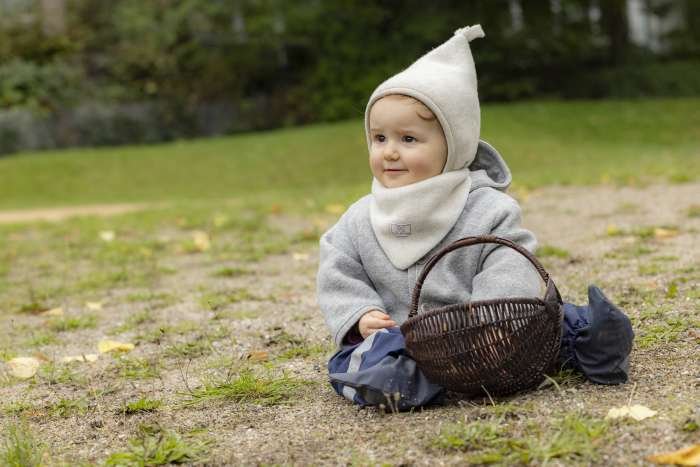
[128,71]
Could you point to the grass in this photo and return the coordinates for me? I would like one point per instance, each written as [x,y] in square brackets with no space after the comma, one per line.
[69,407]
[72,323]
[545,143]
[230,272]
[549,250]
[247,387]
[190,349]
[568,437]
[19,447]
[213,307]
[137,368]
[217,300]
[141,405]
[305,350]
[157,446]
[134,321]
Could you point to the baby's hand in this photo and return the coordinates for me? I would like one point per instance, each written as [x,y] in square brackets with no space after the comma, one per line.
[374,320]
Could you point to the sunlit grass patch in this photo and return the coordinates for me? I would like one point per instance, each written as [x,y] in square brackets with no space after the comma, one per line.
[154,445]
[141,405]
[629,251]
[190,349]
[72,323]
[563,378]
[51,373]
[137,368]
[248,387]
[216,300]
[230,272]
[40,339]
[19,447]
[573,437]
[154,299]
[693,211]
[134,321]
[69,407]
[16,408]
[550,250]
[305,350]
[650,269]
[668,330]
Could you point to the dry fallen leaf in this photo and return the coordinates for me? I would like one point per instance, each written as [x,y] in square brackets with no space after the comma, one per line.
[660,232]
[93,306]
[53,312]
[687,456]
[90,357]
[23,367]
[201,240]
[637,412]
[107,345]
[258,356]
[107,235]
[613,230]
[300,256]
[335,208]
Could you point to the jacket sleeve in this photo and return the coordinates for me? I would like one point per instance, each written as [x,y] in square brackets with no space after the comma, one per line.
[503,272]
[344,290]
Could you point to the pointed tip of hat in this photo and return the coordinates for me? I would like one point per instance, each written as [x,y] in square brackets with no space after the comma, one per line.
[471,32]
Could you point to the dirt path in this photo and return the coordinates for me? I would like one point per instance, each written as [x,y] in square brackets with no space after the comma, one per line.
[61,213]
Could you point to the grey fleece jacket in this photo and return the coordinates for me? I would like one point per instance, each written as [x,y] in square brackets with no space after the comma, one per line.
[355,276]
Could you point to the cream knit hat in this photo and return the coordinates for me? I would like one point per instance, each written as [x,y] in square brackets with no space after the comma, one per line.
[444,80]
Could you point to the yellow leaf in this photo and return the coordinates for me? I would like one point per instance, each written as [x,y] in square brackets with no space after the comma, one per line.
[106,345]
[201,240]
[335,208]
[687,456]
[107,235]
[665,233]
[637,412]
[93,306]
[91,357]
[300,256]
[23,367]
[258,355]
[613,230]
[53,312]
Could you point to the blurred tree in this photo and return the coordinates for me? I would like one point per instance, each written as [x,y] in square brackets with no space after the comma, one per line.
[188,67]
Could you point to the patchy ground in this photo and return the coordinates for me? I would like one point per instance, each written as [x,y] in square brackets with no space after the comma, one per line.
[230,348]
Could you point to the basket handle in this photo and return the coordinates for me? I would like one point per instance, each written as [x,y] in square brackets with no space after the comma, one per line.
[469,241]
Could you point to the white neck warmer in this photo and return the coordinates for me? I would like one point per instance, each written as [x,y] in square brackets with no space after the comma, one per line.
[410,220]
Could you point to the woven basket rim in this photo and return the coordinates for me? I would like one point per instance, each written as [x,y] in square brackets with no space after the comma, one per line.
[495,301]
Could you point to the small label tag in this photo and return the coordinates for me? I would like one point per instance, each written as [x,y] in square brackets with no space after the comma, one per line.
[401,230]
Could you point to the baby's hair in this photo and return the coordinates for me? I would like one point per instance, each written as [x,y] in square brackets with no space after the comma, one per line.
[423,112]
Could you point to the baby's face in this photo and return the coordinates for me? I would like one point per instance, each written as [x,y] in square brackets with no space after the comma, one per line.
[404,148]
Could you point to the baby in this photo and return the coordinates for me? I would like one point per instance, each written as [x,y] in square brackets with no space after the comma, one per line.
[434,182]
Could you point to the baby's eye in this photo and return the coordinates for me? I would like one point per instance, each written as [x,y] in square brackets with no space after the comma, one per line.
[379,138]
[409,139]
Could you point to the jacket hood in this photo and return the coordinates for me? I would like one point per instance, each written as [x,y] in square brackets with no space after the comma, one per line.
[489,169]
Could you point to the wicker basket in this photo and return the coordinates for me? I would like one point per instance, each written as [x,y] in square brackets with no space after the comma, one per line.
[496,346]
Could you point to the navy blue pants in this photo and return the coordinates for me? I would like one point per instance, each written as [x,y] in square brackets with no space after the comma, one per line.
[596,341]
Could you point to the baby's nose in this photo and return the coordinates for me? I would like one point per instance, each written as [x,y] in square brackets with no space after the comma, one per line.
[390,153]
